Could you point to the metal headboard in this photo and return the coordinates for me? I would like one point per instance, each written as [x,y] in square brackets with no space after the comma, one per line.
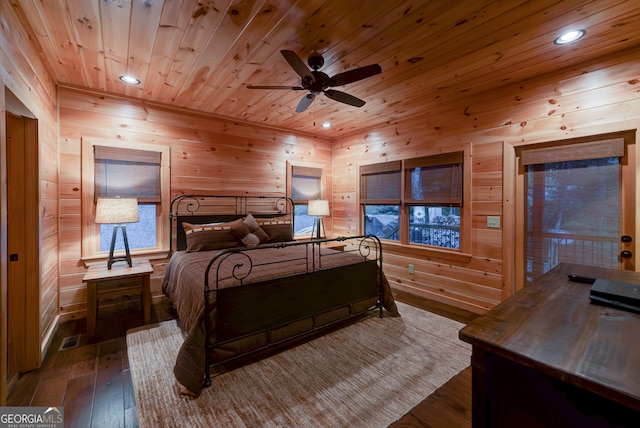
[221,208]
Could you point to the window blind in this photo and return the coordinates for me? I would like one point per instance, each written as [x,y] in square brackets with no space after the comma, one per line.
[610,148]
[573,204]
[434,180]
[306,183]
[380,184]
[128,173]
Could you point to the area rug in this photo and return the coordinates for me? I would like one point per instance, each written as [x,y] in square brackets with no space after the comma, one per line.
[368,374]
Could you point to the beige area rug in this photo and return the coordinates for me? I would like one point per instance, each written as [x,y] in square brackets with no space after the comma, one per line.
[368,374]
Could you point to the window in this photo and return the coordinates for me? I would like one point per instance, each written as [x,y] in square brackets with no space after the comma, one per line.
[380,196]
[129,173]
[113,169]
[305,182]
[573,205]
[415,201]
[433,196]
[139,235]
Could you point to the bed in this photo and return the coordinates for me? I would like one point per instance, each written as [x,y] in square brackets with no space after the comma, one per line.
[241,285]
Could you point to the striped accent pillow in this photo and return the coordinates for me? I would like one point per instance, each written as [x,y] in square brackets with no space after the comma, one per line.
[211,236]
[279,229]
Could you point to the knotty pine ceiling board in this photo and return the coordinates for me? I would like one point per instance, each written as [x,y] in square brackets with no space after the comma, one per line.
[435,55]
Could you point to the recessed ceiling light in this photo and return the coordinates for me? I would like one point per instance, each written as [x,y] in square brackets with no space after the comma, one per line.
[326,125]
[569,37]
[130,79]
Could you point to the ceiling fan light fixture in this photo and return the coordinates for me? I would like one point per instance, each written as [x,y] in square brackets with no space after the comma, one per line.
[569,37]
[130,80]
[326,125]
[317,82]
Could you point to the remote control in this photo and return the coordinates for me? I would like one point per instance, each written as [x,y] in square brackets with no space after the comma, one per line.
[584,279]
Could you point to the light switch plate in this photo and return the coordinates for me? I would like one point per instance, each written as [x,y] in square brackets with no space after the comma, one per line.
[493,221]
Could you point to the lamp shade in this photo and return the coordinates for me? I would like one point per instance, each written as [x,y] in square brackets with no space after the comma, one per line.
[318,208]
[116,210]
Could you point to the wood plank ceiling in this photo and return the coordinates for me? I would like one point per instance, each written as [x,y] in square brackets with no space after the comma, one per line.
[202,54]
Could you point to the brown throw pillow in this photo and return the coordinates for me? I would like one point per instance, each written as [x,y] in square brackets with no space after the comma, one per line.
[255,228]
[212,236]
[279,229]
[249,233]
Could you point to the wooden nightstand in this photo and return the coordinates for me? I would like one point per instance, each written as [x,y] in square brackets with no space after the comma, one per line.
[120,280]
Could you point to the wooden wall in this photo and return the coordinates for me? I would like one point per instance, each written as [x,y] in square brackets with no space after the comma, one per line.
[208,155]
[595,98]
[22,73]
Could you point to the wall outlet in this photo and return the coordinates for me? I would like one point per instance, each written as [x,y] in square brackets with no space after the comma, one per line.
[411,269]
[493,221]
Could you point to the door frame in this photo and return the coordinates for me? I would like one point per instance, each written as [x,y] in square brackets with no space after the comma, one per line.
[3,249]
[629,189]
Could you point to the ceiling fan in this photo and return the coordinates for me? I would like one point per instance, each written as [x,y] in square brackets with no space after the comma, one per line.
[317,82]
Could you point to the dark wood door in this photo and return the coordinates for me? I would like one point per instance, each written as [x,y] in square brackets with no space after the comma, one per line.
[23,285]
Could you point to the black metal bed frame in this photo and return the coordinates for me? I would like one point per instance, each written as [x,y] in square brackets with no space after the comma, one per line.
[235,319]
[230,307]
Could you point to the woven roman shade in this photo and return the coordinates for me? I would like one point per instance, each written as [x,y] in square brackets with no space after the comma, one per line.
[380,183]
[127,173]
[573,207]
[610,148]
[306,183]
[434,180]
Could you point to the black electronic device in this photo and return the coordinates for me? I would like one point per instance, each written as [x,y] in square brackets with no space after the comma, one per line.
[617,294]
[614,304]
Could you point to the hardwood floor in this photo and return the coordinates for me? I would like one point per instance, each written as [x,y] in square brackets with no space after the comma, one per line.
[92,380]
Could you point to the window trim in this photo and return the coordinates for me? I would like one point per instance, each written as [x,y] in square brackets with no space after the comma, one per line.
[90,234]
[464,252]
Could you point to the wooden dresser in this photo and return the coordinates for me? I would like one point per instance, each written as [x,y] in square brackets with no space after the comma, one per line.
[547,357]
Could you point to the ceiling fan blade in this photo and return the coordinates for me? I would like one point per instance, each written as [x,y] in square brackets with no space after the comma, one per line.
[344,98]
[298,65]
[354,75]
[305,102]
[295,88]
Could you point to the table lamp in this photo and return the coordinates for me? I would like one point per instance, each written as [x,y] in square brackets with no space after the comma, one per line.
[117,211]
[318,208]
